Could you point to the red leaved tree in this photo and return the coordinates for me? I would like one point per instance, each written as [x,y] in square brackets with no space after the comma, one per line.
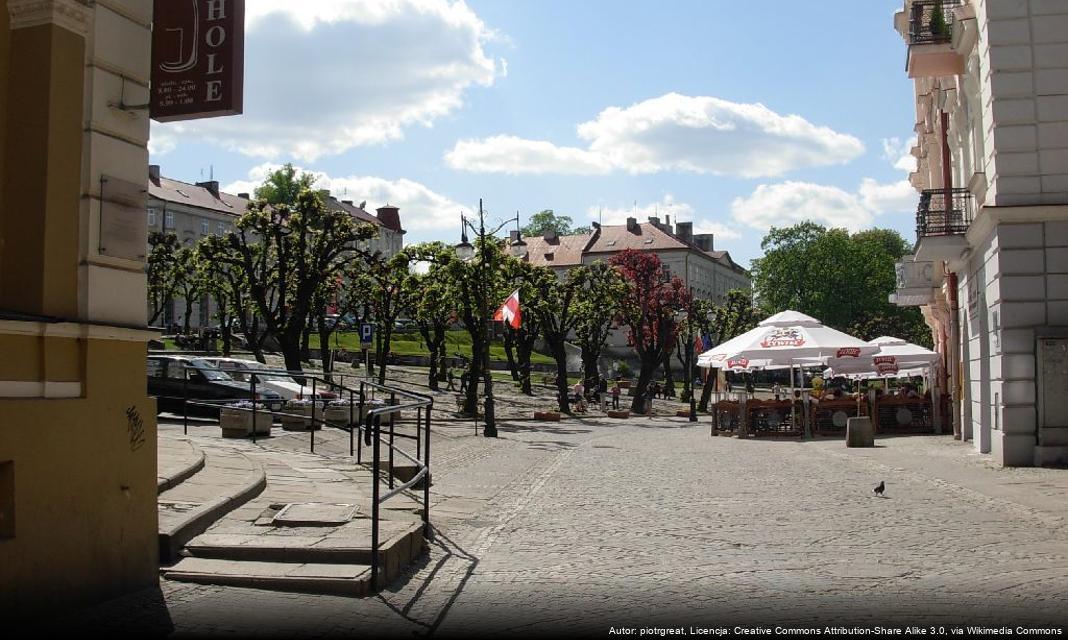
[648,311]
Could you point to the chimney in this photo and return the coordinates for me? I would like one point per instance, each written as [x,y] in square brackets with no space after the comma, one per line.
[703,241]
[389,216]
[153,173]
[632,225]
[551,236]
[244,195]
[513,235]
[212,186]
[348,202]
[655,221]
[595,225]
[684,231]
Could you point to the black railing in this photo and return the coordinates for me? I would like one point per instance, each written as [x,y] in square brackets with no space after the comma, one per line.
[362,412]
[938,215]
[931,21]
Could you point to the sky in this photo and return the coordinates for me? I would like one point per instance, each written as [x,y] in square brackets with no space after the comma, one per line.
[737,116]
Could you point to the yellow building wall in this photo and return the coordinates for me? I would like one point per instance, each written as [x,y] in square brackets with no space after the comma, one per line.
[84,488]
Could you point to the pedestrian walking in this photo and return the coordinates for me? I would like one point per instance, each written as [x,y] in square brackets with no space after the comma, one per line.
[602,394]
[749,390]
[616,390]
[464,378]
[451,375]
[650,393]
[777,390]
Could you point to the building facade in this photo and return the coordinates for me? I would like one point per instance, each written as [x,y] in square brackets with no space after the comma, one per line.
[691,257]
[990,269]
[192,211]
[78,519]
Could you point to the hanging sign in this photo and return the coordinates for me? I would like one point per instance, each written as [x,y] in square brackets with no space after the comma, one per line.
[738,363]
[885,364]
[198,59]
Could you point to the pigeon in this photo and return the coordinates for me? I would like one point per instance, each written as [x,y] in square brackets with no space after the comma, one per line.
[879,490]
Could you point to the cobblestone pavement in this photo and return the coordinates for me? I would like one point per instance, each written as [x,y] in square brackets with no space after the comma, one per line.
[580,526]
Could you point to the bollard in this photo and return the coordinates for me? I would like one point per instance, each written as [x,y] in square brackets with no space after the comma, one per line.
[859,432]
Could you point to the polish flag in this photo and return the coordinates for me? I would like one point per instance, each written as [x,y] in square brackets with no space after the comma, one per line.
[510,312]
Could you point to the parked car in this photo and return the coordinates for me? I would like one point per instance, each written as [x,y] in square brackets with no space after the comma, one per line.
[282,383]
[167,381]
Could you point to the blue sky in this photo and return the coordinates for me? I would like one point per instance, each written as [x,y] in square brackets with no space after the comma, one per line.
[735,115]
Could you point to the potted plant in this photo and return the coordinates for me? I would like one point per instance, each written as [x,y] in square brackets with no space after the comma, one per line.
[939,26]
[296,415]
[237,420]
[623,372]
[342,413]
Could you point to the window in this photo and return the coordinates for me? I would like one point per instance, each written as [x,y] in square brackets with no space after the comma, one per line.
[155,368]
[205,227]
[151,217]
[221,228]
[168,222]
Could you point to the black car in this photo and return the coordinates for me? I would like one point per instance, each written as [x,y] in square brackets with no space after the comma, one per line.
[172,379]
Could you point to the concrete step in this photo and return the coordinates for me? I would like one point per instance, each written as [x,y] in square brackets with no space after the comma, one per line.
[177,460]
[336,579]
[227,480]
[400,543]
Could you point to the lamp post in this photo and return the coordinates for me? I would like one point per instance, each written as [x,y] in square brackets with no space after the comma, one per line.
[466,252]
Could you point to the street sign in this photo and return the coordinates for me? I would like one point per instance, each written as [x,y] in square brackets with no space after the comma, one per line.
[367,331]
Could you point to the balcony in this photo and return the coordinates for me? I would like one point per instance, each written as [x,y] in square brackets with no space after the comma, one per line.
[930,37]
[941,221]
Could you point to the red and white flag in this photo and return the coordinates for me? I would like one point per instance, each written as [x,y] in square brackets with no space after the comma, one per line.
[510,312]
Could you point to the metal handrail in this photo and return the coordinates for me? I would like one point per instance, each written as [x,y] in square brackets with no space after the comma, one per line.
[922,27]
[944,212]
[372,436]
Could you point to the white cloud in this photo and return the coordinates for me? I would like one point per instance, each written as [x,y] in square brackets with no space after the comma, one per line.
[325,76]
[421,208]
[512,155]
[666,206]
[161,143]
[697,134]
[788,203]
[898,152]
[896,197]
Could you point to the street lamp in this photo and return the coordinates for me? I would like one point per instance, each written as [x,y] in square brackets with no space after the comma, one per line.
[466,252]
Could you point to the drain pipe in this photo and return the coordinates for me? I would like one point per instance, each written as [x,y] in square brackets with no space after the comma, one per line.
[954,353]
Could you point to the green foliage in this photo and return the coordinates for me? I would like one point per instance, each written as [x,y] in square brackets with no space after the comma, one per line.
[547,220]
[160,269]
[841,279]
[939,27]
[284,186]
[623,369]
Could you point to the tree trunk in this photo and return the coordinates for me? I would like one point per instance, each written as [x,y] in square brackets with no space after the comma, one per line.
[556,347]
[188,312]
[645,375]
[305,342]
[590,372]
[255,341]
[432,377]
[669,380]
[383,352]
[325,353]
[474,371]
[441,347]
[525,346]
[509,346]
[706,391]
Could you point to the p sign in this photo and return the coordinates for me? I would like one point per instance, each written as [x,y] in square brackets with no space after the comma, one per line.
[367,331]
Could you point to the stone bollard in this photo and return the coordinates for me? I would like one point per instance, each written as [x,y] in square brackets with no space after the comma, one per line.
[859,432]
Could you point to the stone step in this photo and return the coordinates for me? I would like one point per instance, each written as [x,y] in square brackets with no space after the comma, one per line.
[400,543]
[177,460]
[227,480]
[335,579]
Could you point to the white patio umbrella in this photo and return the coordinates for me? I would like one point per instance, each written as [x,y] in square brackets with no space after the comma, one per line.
[894,355]
[787,339]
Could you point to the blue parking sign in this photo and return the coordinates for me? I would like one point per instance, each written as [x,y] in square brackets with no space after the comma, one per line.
[367,331]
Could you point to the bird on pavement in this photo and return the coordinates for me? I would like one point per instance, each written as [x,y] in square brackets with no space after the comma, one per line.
[879,490]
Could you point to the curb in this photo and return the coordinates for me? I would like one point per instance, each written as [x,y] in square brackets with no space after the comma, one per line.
[198,520]
[169,482]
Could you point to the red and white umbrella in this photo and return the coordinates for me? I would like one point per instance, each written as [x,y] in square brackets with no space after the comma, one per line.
[786,339]
[894,357]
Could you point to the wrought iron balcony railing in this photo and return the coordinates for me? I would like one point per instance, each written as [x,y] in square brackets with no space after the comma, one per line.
[931,21]
[938,215]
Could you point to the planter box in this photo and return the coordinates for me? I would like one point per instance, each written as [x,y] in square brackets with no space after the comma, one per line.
[296,423]
[550,416]
[682,413]
[342,415]
[624,384]
[237,423]
[620,413]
